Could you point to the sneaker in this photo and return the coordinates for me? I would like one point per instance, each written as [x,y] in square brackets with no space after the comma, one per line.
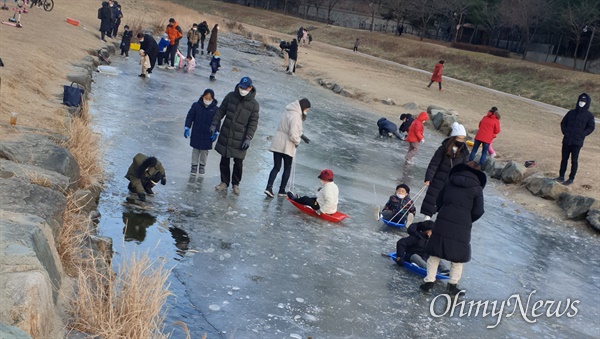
[409,162]
[142,75]
[559,179]
[148,76]
[493,155]
[426,287]
[427,218]
[282,193]
[162,66]
[568,182]
[194,170]
[170,67]
[291,195]
[269,192]
[221,187]
[236,189]
[454,290]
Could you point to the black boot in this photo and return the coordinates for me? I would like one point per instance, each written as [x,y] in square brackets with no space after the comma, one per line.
[194,170]
[454,290]
[426,287]
[148,190]
[131,189]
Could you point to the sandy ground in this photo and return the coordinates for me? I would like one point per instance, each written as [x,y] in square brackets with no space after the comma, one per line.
[38,56]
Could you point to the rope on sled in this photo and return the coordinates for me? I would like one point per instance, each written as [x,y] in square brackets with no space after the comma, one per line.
[412,202]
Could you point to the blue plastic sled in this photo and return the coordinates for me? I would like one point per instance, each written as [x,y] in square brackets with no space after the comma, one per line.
[391,223]
[416,269]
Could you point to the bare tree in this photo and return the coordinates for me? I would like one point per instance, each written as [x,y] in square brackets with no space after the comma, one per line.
[576,17]
[486,13]
[424,11]
[374,7]
[318,4]
[330,5]
[528,16]
[456,11]
[397,8]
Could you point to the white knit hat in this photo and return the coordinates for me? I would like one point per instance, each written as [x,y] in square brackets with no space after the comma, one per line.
[458,129]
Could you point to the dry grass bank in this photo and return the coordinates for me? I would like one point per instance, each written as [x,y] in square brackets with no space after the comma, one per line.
[540,82]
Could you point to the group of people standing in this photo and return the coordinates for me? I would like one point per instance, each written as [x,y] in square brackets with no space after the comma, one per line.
[110,16]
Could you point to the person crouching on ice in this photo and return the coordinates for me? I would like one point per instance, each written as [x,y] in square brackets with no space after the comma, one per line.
[327,195]
[143,174]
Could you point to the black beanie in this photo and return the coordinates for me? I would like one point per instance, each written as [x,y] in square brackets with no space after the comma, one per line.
[402,116]
[405,186]
[304,104]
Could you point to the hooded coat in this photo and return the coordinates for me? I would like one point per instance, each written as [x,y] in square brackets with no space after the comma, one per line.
[437,73]
[459,204]
[489,127]
[212,42]
[292,50]
[578,123]
[437,173]
[415,243]
[287,137]
[241,121]
[105,14]
[199,119]
[386,126]
[149,45]
[406,124]
[203,29]
[140,169]
[415,132]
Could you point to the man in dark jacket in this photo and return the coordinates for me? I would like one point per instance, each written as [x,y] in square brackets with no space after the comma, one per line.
[412,248]
[407,120]
[143,174]
[387,128]
[204,31]
[117,15]
[292,50]
[575,126]
[240,110]
[149,45]
[459,204]
[105,15]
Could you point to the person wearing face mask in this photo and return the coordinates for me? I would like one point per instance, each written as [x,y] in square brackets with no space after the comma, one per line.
[193,37]
[575,126]
[489,128]
[212,42]
[240,110]
[451,152]
[174,32]
[400,208]
[126,41]
[285,141]
[198,123]
[327,197]
[149,45]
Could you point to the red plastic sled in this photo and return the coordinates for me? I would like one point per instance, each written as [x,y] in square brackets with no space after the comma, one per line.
[335,217]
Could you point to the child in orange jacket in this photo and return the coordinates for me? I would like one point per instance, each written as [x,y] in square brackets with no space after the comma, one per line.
[415,136]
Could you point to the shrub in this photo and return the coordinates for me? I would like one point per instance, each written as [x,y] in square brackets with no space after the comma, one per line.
[482,49]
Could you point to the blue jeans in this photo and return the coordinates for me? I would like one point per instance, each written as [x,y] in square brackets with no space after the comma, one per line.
[485,150]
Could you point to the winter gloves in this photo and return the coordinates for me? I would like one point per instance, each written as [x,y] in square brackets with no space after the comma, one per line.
[246,144]
[214,136]
[186,132]
[305,139]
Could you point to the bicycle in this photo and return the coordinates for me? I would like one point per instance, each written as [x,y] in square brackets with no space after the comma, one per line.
[48,5]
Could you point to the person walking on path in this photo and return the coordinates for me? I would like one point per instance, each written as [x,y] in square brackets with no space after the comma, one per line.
[174,33]
[204,31]
[415,136]
[149,45]
[286,140]
[197,123]
[212,42]
[460,204]
[193,37]
[575,126]
[489,127]
[437,74]
[452,152]
[240,110]
[292,50]
[355,49]
[105,15]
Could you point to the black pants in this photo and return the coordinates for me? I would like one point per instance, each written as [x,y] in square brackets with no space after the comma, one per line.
[192,48]
[287,168]
[172,51]
[431,83]
[573,152]
[125,50]
[162,58]
[116,28]
[238,167]
[152,58]
[308,201]
[202,38]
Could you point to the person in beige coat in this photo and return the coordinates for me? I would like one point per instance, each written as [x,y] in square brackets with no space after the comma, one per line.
[285,141]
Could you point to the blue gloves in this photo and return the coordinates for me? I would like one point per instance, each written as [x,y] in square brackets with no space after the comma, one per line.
[186,132]
[246,144]
[214,136]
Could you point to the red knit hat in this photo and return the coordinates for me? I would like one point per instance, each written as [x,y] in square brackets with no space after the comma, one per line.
[326,175]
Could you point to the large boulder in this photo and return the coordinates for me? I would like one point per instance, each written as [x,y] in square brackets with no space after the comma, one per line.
[513,172]
[544,187]
[337,89]
[576,206]
[40,151]
[436,119]
[446,125]
[432,108]
[31,274]
[35,175]
[496,171]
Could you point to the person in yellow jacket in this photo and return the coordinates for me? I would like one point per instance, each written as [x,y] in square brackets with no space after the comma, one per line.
[143,174]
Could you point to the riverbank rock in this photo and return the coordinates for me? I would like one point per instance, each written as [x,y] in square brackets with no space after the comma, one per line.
[593,217]
[348,94]
[337,89]
[513,172]
[544,187]
[576,206]
[11,332]
[432,108]
[446,125]
[388,102]
[35,175]
[496,171]
[410,105]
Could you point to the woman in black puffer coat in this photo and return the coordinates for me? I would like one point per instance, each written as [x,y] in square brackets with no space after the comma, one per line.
[460,203]
[452,152]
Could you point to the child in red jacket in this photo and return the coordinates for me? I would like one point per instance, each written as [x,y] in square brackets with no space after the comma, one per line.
[489,127]
[415,136]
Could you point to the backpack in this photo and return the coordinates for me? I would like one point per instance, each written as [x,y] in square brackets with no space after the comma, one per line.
[100,13]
